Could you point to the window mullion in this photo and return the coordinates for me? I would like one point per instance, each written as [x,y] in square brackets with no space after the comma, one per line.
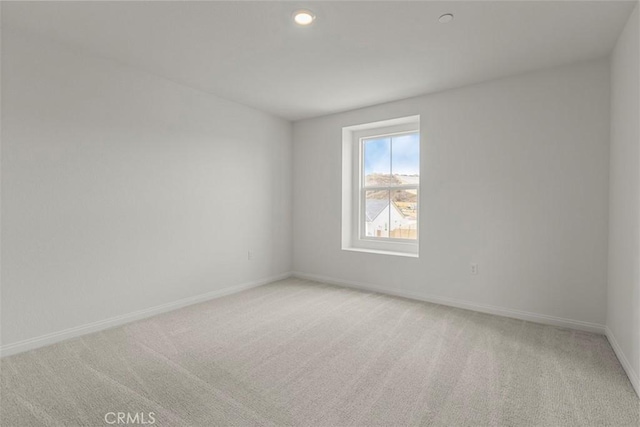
[389,190]
[392,187]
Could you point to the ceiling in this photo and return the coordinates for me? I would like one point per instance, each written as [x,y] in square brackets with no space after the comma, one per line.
[355,54]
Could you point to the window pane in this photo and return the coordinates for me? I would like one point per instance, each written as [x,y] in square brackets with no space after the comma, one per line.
[404,214]
[377,161]
[376,207]
[405,166]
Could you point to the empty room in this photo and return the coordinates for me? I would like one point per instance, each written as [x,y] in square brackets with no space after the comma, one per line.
[324,213]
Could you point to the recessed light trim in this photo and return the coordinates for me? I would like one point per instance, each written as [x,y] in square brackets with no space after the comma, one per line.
[446,18]
[303,17]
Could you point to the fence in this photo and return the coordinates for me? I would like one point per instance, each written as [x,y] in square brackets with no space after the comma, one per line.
[404,233]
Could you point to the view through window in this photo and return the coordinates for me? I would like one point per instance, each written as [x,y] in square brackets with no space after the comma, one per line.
[389,186]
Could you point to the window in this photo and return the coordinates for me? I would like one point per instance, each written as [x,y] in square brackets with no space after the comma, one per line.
[389,186]
[381,187]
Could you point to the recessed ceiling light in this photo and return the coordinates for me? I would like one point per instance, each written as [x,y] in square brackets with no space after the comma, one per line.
[447,17]
[303,17]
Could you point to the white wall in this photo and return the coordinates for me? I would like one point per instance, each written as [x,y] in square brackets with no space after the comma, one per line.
[123,191]
[514,178]
[623,314]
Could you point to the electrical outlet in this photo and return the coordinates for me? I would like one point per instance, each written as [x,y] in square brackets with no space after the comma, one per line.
[249,255]
[474,269]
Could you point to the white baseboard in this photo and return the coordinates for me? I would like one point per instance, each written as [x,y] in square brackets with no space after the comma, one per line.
[631,373]
[52,338]
[482,308]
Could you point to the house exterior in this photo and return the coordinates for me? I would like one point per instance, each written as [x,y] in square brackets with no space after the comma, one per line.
[383,218]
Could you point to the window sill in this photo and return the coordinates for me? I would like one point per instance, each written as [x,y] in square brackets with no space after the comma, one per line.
[382,252]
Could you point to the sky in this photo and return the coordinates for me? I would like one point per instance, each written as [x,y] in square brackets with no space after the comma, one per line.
[405,150]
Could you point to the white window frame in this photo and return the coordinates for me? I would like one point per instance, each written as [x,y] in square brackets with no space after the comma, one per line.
[353,203]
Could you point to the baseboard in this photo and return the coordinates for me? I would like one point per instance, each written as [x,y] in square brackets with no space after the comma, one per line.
[467,305]
[631,373]
[55,337]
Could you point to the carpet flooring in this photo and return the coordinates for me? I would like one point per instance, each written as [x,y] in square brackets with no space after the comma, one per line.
[301,353]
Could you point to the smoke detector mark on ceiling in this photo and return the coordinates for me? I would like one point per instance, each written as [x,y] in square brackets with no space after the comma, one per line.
[446,18]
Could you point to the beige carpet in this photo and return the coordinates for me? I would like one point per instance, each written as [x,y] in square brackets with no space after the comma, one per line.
[302,353]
